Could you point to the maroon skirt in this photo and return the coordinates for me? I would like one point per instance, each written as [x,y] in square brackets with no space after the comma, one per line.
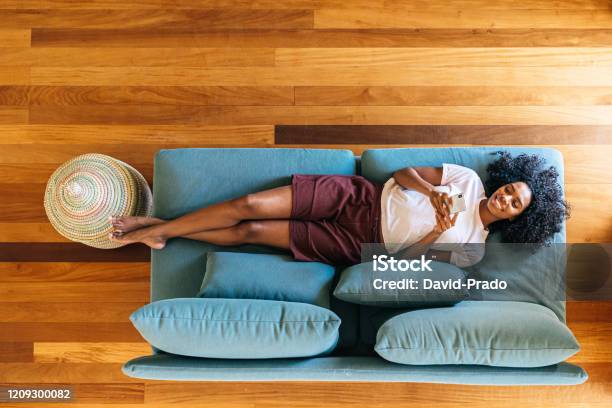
[331,216]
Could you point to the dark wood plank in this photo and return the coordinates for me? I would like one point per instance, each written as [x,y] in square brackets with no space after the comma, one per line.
[71,252]
[64,332]
[267,37]
[13,352]
[442,134]
[156,18]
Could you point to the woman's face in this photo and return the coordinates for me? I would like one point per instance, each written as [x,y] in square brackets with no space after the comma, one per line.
[509,200]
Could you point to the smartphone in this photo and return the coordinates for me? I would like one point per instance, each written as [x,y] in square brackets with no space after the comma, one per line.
[457,203]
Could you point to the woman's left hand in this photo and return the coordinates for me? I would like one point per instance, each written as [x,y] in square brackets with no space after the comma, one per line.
[445,222]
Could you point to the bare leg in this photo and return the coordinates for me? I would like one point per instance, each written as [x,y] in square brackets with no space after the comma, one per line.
[270,204]
[269,232]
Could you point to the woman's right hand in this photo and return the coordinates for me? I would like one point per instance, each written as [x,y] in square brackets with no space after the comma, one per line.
[440,202]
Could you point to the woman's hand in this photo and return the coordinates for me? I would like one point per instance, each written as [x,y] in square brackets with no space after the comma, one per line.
[440,203]
[444,223]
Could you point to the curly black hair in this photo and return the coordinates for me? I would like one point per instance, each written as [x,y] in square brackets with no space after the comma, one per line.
[544,216]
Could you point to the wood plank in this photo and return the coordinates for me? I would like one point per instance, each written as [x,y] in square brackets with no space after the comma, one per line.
[129,95]
[74,271]
[451,95]
[13,352]
[67,252]
[594,339]
[321,76]
[309,4]
[26,173]
[155,18]
[187,57]
[586,201]
[13,115]
[589,311]
[439,57]
[94,292]
[321,38]
[395,394]
[14,75]
[96,394]
[26,206]
[299,115]
[67,373]
[464,18]
[15,37]
[67,332]
[42,311]
[499,4]
[137,134]
[98,352]
[446,135]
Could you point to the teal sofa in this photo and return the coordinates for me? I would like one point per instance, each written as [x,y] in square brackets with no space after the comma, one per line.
[187,179]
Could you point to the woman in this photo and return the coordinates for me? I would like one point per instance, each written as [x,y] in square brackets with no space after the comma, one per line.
[326,218]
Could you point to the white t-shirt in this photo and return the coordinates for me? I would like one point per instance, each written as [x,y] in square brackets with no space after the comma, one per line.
[407,216]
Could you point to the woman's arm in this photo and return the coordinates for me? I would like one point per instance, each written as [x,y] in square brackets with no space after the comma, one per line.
[423,180]
[422,247]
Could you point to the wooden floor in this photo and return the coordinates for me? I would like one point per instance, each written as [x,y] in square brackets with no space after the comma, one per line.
[128,77]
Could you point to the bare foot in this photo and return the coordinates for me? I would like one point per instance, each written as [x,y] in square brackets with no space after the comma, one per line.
[146,235]
[124,224]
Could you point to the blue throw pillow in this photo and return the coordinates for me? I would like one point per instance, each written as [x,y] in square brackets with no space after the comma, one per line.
[493,333]
[360,284]
[237,328]
[237,275]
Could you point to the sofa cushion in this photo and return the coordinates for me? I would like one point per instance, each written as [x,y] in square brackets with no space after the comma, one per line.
[237,328]
[362,285]
[188,179]
[505,334]
[531,277]
[265,276]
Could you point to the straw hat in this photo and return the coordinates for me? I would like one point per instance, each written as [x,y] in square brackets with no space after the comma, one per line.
[83,192]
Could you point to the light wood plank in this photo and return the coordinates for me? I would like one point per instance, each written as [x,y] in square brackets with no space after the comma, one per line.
[95,292]
[43,311]
[442,57]
[64,332]
[594,338]
[131,95]
[591,220]
[29,232]
[155,18]
[322,76]
[19,173]
[464,18]
[98,352]
[323,115]
[451,95]
[14,75]
[188,57]
[74,271]
[52,373]
[15,38]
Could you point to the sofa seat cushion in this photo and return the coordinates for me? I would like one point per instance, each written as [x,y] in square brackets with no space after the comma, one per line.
[191,178]
[237,328]
[266,276]
[504,334]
